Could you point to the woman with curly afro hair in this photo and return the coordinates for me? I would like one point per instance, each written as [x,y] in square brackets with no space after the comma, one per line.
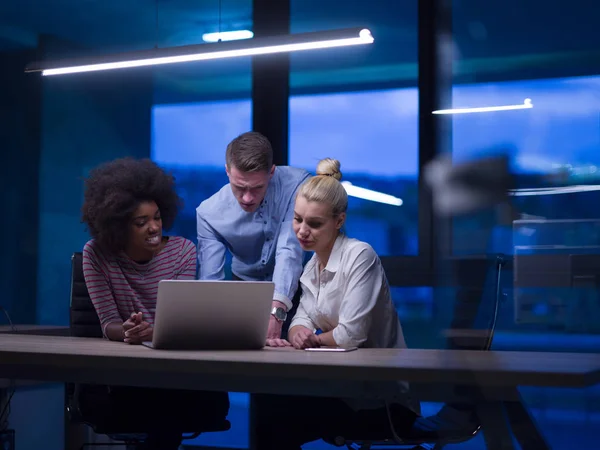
[127,205]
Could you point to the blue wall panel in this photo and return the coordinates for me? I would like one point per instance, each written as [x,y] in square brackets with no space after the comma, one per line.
[19,148]
[87,119]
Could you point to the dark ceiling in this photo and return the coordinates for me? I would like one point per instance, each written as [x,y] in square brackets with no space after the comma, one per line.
[115,25]
[496,26]
[486,33]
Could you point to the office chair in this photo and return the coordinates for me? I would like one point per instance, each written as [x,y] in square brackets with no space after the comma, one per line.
[455,422]
[84,322]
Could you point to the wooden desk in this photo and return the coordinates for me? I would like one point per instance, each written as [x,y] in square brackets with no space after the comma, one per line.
[55,358]
[39,330]
[281,371]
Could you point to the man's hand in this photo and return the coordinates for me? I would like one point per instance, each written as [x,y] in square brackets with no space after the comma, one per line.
[136,329]
[278,343]
[275,326]
[274,331]
[304,338]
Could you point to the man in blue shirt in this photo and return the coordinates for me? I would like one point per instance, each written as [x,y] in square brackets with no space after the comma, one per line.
[251,217]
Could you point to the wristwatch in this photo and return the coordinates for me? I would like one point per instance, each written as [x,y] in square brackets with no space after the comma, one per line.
[279,313]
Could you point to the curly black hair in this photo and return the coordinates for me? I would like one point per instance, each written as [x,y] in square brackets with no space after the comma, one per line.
[114,190]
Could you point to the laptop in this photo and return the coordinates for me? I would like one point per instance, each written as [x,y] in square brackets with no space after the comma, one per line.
[212,315]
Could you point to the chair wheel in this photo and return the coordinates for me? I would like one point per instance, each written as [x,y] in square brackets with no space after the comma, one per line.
[338,441]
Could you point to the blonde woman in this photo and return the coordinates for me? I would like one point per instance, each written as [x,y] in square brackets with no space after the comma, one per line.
[345,302]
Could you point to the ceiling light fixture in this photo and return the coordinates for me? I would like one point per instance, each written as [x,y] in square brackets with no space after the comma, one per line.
[554,190]
[204,52]
[227,36]
[526,105]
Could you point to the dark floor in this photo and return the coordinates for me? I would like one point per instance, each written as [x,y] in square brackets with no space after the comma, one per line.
[562,430]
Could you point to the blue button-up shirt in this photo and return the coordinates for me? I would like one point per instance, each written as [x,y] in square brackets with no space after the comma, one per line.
[262,244]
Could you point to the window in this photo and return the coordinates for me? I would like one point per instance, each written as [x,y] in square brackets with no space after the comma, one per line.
[189,140]
[373,135]
[360,106]
[552,146]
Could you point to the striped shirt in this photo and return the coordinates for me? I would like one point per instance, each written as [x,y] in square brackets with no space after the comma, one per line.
[119,286]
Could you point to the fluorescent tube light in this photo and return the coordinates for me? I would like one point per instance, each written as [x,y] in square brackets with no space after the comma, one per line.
[374,196]
[554,190]
[227,36]
[204,52]
[526,105]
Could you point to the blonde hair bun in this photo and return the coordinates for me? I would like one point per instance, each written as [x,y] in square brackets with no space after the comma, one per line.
[329,167]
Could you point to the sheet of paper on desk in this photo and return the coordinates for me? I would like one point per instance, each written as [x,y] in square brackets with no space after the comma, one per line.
[330,349]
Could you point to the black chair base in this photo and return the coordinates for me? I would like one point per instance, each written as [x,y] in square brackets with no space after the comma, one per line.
[448,426]
[131,440]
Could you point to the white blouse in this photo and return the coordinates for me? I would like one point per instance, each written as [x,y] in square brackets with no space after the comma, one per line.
[351,296]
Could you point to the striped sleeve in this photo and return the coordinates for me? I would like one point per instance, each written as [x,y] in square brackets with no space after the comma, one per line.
[187,267]
[99,288]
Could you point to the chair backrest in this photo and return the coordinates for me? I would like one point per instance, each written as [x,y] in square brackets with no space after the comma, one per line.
[84,321]
[471,277]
